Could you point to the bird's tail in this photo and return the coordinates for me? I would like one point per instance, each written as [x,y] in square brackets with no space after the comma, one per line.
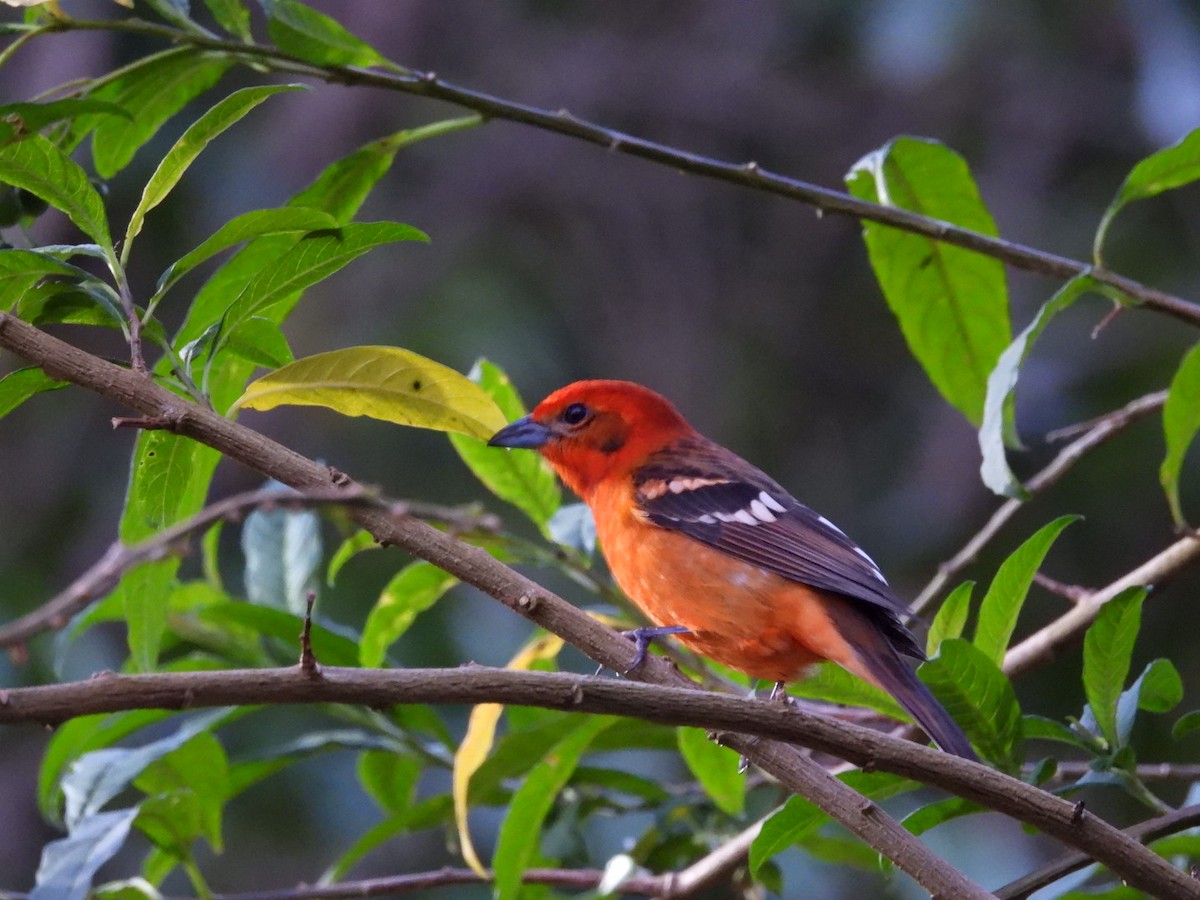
[881,665]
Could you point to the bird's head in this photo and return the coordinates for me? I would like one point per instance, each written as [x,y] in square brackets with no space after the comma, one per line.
[593,430]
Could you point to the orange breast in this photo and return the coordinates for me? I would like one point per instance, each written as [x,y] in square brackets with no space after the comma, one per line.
[740,615]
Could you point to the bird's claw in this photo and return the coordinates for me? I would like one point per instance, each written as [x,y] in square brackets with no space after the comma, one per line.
[644,637]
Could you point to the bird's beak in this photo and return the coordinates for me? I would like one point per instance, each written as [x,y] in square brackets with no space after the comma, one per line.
[524,433]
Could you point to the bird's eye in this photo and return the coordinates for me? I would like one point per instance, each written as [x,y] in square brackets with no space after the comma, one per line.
[574,414]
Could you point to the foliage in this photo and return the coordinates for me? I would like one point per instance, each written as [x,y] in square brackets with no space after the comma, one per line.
[108,778]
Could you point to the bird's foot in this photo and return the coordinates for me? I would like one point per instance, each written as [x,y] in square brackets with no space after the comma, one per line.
[644,637]
[779,694]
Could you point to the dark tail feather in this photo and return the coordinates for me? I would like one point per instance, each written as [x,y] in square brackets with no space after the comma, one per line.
[895,677]
[884,667]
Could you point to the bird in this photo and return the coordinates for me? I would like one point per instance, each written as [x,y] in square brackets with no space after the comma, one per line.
[715,552]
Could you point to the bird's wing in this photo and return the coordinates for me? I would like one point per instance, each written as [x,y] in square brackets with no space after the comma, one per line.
[719,499]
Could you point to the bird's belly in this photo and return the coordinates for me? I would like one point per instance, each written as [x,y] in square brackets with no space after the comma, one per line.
[738,614]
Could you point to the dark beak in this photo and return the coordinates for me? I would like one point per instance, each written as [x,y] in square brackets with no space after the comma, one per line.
[523,433]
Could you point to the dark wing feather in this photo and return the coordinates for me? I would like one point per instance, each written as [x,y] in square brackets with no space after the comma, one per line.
[698,488]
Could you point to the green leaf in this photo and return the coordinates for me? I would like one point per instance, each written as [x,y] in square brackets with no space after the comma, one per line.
[980,698]
[101,775]
[1181,420]
[68,865]
[186,793]
[715,767]
[174,12]
[314,37]
[931,815]
[522,479]
[141,595]
[799,818]
[198,136]
[18,386]
[20,119]
[314,257]
[233,16]
[386,383]
[152,91]
[1158,689]
[261,342]
[282,550]
[1186,724]
[87,302]
[833,684]
[951,618]
[332,646]
[521,832]
[413,590]
[38,166]
[573,526]
[1003,381]
[1169,168]
[1107,649]
[1002,604]
[1041,728]
[952,304]
[351,547]
[389,778]
[241,228]
[22,269]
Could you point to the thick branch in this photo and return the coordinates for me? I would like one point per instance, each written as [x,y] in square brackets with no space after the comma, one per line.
[475,567]
[749,174]
[654,703]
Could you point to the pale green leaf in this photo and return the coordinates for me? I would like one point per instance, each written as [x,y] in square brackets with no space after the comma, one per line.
[952,304]
[931,815]
[186,793]
[1002,604]
[190,144]
[980,698]
[233,16]
[413,590]
[69,864]
[389,778]
[315,37]
[350,547]
[40,167]
[1186,724]
[1181,421]
[951,618]
[1003,381]
[282,550]
[260,341]
[20,119]
[715,767]
[523,479]
[1107,651]
[385,383]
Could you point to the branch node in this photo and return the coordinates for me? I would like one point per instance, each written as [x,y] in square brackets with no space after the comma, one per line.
[189,697]
[337,477]
[18,654]
[752,168]
[308,659]
[4,701]
[527,603]
[165,421]
[1077,812]
[429,77]
[575,697]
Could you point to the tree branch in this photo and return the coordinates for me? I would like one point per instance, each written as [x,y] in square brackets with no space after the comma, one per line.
[1043,644]
[1146,832]
[475,567]
[737,716]
[1098,431]
[749,174]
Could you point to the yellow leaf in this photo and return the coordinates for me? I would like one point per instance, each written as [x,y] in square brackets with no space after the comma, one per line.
[385,383]
[478,741]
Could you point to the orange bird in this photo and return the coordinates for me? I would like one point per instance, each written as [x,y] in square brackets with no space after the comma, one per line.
[713,550]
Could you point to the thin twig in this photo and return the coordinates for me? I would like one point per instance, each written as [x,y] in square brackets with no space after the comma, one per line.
[1145,832]
[748,174]
[382,688]
[1074,593]
[1099,431]
[1068,769]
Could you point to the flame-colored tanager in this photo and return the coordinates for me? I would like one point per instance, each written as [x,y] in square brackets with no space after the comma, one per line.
[712,549]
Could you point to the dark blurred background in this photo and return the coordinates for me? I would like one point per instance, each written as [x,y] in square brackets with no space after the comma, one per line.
[560,261]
